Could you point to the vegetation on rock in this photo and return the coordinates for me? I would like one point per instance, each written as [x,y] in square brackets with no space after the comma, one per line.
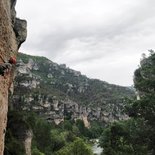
[55,91]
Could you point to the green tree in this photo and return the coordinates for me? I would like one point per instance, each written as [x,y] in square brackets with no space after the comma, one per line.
[144,108]
[78,147]
[35,151]
[121,138]
[42,134]
[136,136]
[57,140]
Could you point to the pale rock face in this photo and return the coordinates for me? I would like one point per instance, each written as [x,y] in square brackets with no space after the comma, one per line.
[35,67]
[52,82]
[85,121]
[55,104]
[70,87]
[26,84]
[50,75]
[23,70]
[31,84]
[34,84]
[76,73]
[55,66]
[81,89]
[27,142]
[98,112]
[47,105]
[37,108]
[63,66]
[30,64]
[76,108]
[138,95]
[106,119]
[62,72]
[30,99]
[58,121]
[25,108]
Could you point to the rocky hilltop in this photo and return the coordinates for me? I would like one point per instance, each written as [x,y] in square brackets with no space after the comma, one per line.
[12,34]
[57,92]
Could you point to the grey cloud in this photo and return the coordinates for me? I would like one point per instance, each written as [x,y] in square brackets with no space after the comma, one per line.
[85,33]
[126,23]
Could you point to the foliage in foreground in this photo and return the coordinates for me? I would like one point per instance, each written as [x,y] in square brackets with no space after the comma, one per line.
[78,147]
[135,136]
[67,138]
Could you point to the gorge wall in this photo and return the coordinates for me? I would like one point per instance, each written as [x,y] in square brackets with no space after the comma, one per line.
[12,34]
[56,92]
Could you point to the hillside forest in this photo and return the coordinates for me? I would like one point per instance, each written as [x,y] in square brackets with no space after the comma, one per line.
[131,136]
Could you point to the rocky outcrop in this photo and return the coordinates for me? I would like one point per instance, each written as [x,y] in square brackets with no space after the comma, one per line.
[8,47]
[28,142]
[20,31]
[55,110]
[24,136]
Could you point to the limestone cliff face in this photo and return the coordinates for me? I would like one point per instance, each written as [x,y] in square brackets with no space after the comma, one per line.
[9,43]
[28,142]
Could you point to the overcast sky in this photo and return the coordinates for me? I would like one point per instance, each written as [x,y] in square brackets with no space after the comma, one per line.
[103,39]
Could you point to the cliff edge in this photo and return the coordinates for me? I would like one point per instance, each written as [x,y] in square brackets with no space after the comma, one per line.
[12,34]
